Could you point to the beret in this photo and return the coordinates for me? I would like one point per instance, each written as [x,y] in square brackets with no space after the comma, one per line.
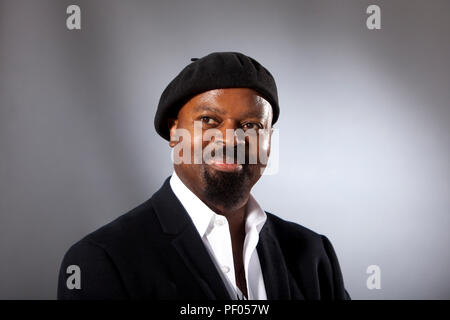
[218,70]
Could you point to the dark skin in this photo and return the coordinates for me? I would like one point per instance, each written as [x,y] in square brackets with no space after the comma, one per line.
[222,109]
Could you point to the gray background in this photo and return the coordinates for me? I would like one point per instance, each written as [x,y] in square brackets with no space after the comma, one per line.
[364,127]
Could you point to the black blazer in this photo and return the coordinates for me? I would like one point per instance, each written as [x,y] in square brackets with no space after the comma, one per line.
[155,252]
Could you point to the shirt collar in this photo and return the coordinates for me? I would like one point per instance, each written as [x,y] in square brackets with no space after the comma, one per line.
[202,216]
[256,217]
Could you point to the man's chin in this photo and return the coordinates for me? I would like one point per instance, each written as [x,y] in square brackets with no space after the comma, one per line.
[225,188]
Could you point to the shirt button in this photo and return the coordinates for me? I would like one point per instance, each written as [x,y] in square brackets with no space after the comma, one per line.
[225,269]
[219,222]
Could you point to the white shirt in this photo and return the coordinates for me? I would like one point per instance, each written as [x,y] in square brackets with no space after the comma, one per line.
[215,233]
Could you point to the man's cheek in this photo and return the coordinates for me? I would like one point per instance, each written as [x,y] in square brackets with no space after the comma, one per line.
[263,148]
[197,146]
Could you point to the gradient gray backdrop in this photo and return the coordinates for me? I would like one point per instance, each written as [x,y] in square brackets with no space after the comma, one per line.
[364,127]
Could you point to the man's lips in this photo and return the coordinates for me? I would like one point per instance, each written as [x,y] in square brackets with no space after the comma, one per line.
[223,166]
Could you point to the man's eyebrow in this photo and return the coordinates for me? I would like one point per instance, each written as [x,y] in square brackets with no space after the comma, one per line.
[208,108]
[251,114]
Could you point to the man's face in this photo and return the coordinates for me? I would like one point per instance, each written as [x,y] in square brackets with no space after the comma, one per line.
[224,111]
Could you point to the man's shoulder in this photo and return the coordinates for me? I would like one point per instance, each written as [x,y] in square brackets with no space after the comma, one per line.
[128,229]
[106,255]
[288,233]
[293,228]
[311,253]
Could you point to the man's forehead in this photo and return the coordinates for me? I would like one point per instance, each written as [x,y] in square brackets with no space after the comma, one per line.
[252,105]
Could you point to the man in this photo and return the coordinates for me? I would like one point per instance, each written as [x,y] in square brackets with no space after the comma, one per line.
[203,235]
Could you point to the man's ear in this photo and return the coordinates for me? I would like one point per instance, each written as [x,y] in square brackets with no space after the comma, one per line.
[173,125]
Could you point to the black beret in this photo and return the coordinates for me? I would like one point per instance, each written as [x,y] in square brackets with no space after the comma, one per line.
[217,70]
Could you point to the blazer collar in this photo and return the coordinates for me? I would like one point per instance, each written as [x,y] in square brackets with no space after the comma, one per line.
[175,221]
[169,210]
[273,264]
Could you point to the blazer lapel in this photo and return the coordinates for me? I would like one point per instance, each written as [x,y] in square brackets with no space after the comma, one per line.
[273,266]
[191,249]
[175,221]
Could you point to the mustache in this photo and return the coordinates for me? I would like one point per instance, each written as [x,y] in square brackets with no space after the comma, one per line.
[228,154]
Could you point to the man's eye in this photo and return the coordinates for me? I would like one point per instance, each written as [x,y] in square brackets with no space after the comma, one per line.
[207,120]
[252,125]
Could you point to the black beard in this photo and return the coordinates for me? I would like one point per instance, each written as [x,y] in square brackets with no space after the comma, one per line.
[226,189]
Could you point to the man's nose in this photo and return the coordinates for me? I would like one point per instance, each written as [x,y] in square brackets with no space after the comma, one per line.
[228,130]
